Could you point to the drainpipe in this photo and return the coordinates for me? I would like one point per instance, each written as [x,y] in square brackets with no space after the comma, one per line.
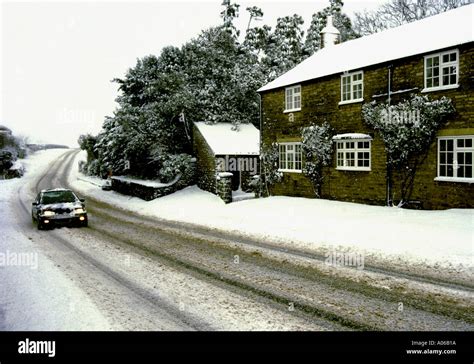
[260,167]
[389,168]
[389,92]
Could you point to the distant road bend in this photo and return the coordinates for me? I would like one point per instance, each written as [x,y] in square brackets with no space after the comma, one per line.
[150,274]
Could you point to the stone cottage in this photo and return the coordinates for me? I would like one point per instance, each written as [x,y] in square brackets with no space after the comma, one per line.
[433,57]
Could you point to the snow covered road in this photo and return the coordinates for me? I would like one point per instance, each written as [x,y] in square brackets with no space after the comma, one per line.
[87,282]
[35,294]
[131,272]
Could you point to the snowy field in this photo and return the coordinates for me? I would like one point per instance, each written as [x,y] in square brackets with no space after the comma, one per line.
[30,283]
[441,240]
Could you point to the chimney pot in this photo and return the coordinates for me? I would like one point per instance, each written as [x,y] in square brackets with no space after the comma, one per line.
[330,34]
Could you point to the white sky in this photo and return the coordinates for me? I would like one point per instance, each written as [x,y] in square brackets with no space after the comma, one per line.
[57,58]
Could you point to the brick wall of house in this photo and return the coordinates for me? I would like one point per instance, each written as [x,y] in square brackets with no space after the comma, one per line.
[320,102]
[206,164]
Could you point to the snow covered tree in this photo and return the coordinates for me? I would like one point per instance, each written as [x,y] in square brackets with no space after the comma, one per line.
[341,21]
[397,12]
[256,13]
[223,77]
[87,142]
[109,146]
[317,152]
[136,86]
[212,78]
[230,12]
[256,38]
[284,47]
[407,129]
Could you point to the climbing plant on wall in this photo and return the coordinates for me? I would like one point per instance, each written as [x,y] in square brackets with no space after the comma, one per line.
[407,129]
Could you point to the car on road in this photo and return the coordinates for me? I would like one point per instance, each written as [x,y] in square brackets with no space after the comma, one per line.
[58,207]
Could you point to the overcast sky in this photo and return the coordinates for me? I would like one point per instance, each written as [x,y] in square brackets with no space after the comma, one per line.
[57,59]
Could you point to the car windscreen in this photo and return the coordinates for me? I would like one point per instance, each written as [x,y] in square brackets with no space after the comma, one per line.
[57,197]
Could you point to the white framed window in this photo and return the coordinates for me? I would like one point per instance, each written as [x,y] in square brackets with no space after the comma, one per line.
[455,155]
[290,157]
[442,70]
[353,154]
[293,98]
[352,87]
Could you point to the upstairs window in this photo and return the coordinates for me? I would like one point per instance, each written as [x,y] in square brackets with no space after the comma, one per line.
[455,155]
[441,70]
[352,87]
[293,98]
[290,157]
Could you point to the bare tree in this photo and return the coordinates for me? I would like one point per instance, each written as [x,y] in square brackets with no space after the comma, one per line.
[398,12]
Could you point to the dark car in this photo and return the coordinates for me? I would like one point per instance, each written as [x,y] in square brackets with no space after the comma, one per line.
[58,207]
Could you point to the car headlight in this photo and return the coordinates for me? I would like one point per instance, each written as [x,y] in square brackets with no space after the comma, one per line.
[79,210]
[48,213]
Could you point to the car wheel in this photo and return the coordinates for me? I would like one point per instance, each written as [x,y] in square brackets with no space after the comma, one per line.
[40,225]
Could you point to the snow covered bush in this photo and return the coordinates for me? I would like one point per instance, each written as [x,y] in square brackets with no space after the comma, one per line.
[82,166]
[407,139]
[93,168]
[317,152]
[255,185]
[269,159]
[174,165]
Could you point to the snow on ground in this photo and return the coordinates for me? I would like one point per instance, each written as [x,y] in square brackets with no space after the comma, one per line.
[148,183]
[240,195]
[34,293]
[34,164]
[440,239]
[94,180]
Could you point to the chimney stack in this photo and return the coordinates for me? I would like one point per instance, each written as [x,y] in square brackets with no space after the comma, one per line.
[329,34]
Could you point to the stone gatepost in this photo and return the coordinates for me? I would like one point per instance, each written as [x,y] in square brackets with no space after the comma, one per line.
[224,186]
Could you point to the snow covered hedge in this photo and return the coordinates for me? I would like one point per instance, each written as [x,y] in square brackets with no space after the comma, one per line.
[178,164]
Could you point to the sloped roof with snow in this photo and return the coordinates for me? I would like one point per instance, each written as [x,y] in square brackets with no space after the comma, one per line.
[449,29]
[224,141]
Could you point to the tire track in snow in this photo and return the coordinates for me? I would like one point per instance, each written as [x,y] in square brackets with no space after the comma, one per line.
[154,302]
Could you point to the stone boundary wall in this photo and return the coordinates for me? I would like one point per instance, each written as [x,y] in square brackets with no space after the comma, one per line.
[149,193]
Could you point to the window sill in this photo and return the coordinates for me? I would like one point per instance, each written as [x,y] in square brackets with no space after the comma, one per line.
[290,170]
[440,88]
[350,101]
[354,169]
[454,179]
[292,110]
